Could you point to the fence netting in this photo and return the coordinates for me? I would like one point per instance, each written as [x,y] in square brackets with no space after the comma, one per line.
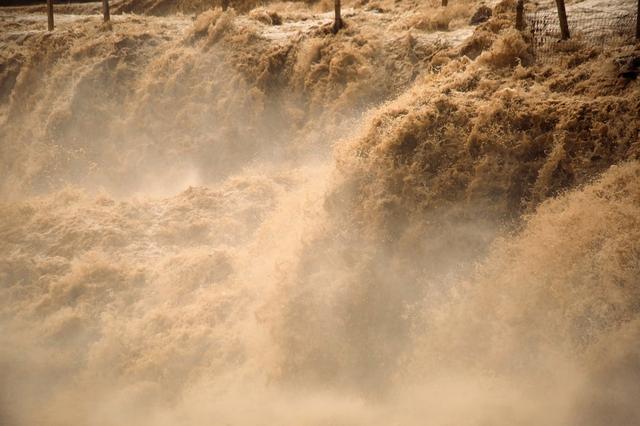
[588,29]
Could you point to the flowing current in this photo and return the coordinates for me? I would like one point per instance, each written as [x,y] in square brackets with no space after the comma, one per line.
[243,219]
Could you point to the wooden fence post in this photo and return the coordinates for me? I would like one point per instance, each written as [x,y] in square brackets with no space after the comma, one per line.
[562,16]
[638,23]
[520,15]
[337,22]
[50,14]
[105,10]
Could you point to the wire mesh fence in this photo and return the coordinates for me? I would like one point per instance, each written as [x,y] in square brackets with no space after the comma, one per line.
[591,30]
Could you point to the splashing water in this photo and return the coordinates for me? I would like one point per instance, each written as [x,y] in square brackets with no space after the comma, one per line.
[226,221]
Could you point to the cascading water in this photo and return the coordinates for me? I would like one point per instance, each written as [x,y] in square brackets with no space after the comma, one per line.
[221,220]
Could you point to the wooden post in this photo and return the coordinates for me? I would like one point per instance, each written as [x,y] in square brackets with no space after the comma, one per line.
[445,2]
[105,10]
[638,23]
[225,4]
[562,16]
[50,14]
[337,22]
[520,15]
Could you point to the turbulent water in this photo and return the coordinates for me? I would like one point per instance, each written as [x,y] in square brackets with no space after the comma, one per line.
[245,219]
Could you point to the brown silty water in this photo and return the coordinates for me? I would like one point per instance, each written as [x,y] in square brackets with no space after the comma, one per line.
[241,218]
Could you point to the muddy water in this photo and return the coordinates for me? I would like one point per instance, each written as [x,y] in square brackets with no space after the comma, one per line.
[220,221]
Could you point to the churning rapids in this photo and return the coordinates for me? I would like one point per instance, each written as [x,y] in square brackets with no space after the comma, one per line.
[243,219]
